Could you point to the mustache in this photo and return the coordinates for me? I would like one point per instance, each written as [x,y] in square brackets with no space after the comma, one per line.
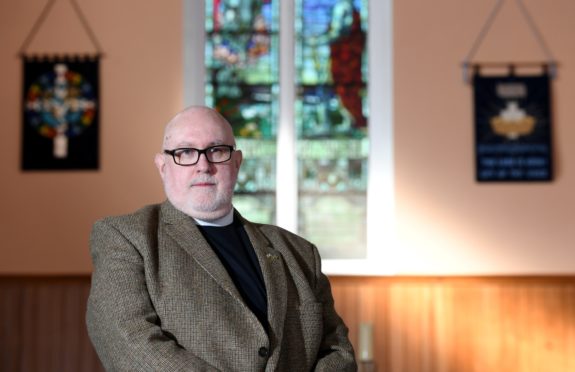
[203,179]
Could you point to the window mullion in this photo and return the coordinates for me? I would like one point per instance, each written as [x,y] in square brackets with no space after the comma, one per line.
[286,185]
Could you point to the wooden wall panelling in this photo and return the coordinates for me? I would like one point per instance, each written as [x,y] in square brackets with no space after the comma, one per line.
[427,324]
[463,324]
[42,326]
[10,319]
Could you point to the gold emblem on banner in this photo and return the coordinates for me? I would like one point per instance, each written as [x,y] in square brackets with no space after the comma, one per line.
[513,122]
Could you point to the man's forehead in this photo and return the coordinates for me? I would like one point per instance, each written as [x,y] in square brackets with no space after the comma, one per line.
[209,132]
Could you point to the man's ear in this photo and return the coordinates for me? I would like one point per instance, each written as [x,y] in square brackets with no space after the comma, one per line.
[160,161]
[238,158]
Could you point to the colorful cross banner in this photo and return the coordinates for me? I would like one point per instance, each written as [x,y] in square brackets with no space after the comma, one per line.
[513,128]
[60,113]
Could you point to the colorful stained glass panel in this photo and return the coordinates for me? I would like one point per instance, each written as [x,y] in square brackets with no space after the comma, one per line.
[242,61]
[332,124]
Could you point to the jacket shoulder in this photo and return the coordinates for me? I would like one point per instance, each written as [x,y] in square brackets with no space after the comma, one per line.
[138,223]
[145,213]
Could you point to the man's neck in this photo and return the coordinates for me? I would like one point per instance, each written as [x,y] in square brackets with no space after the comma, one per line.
[222,221]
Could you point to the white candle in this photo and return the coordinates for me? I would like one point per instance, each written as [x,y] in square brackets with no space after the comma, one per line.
[365,342]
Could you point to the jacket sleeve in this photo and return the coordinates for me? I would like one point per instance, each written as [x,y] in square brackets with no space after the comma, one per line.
[336,352]
[122,323]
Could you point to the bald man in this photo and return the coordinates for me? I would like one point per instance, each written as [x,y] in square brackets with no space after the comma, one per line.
[190,285]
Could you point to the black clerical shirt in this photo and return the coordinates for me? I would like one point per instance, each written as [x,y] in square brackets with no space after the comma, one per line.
[233,247]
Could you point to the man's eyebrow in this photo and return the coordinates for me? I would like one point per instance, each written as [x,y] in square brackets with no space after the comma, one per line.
[217,142]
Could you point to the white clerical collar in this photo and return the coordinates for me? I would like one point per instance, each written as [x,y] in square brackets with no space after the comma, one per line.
[222,221]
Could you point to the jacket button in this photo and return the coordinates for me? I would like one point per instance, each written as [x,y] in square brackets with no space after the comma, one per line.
[263,352]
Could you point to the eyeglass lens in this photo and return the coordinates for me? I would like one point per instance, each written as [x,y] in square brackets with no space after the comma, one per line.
[214,154]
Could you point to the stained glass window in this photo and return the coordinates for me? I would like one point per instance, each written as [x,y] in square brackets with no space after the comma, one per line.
[242,84]
[331,124]
[331,118]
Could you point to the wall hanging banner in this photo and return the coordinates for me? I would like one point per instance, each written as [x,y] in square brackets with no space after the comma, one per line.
[60,113]
[513,128]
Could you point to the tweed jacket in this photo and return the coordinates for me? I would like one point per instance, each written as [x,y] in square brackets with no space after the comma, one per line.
[161,300]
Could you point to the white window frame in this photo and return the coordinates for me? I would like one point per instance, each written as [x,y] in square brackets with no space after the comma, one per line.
[380,188]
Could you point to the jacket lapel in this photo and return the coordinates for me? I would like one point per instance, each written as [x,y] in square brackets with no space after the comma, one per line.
[186,234]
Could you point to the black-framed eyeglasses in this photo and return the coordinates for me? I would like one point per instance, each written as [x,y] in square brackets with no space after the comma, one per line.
[189,156]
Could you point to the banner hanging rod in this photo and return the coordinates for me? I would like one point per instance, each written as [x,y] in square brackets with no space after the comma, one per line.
[472,68]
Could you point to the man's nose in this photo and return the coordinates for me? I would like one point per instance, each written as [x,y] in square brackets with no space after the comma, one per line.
[203,163]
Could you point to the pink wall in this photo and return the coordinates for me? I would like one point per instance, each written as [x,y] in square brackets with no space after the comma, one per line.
[45,217]
[446,223]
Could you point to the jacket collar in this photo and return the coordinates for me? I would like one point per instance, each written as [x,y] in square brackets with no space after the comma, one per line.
[184,232]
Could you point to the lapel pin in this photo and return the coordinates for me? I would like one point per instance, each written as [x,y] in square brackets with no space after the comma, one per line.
[271,256]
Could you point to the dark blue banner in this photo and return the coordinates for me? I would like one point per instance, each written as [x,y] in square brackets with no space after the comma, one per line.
[513,128]
[60,113]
